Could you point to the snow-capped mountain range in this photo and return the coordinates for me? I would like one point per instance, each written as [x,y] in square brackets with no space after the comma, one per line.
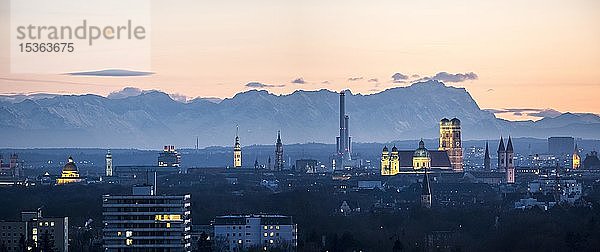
[153,119]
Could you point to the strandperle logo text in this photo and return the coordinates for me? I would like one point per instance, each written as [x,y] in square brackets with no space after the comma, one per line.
[85,31]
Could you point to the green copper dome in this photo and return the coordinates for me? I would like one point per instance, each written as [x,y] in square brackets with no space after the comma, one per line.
[421,151]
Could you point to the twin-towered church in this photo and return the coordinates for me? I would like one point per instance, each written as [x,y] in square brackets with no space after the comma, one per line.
[448,157]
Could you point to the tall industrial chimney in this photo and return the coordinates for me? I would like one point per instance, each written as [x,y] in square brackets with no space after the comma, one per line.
[343,140]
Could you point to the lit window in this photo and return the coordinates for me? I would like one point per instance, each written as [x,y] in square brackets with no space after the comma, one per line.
[265,235]
[277,227]
[128,233]
[240,241]
[52,224]
[271,234]
[168,225]
[34,231]
[41,224]
[167,217]
[128,242]
[119,233]
[271,241]
[46,223]
[265,227]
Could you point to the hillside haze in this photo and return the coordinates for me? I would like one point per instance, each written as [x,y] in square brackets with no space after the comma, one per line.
[152,119]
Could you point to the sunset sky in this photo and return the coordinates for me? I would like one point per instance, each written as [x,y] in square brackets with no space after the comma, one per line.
[525,54]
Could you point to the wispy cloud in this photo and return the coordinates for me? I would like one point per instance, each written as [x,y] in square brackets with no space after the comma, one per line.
[355,78]
[111,73]
[373,80]
[399,78]
[449,77]
[533,112]
[299,81]
[126,92]
[134,91]
[255,84]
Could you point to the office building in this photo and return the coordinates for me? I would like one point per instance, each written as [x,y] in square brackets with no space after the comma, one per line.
[145,221]
[169,157]
[560,145]
[591,161]
[306,166]
[240,232]
[450,141]
[12,169]
[35,233]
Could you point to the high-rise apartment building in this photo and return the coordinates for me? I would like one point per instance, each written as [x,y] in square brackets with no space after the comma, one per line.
[145,221]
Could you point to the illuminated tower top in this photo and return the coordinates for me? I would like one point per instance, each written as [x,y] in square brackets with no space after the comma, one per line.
[576,162]
[237,145]
[237,150]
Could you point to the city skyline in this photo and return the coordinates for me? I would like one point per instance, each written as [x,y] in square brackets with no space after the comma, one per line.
[338,125]
[501,59]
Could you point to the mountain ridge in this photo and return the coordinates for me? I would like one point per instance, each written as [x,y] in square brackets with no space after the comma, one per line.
[154,118]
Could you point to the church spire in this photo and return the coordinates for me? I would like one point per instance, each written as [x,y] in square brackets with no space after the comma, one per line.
[237,149]
[487,159]
[509,146]
[278,153]
[487,151]
[425,191]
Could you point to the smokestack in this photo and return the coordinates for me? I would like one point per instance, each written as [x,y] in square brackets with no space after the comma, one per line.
[342,108]
[342,141]
[346,134]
